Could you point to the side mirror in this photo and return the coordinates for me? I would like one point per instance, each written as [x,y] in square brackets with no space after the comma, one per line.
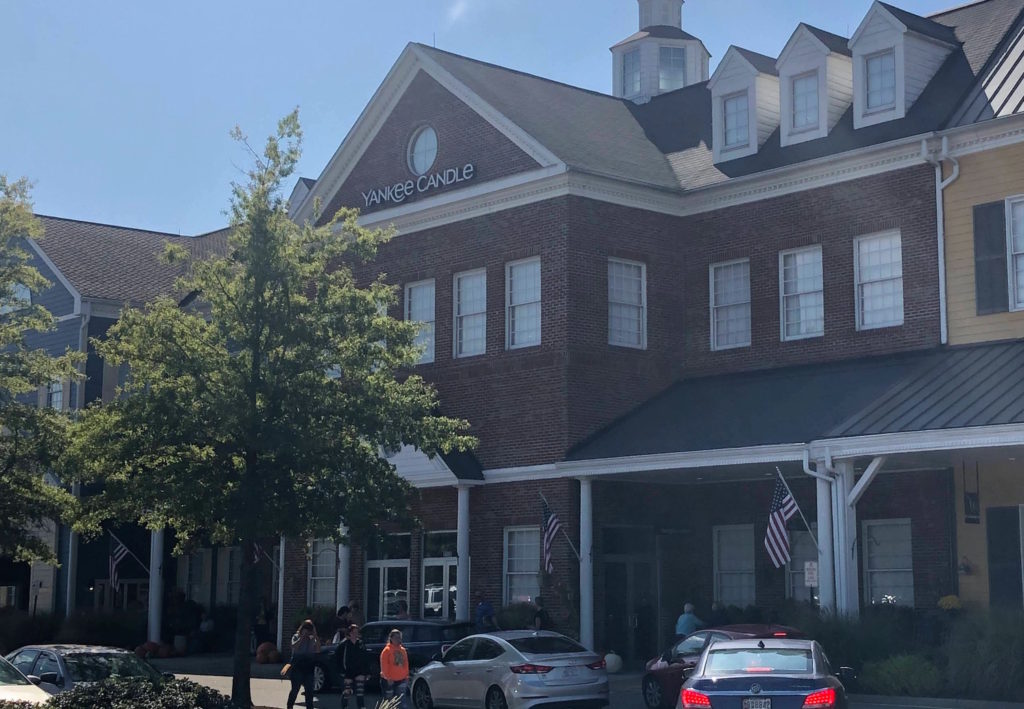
[51,678]
[33,679]
[846,674]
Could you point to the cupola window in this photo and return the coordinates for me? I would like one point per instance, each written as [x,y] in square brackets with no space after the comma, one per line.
[672,68]
[631,73]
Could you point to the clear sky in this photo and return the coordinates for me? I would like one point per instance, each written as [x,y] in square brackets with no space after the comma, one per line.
[119,111]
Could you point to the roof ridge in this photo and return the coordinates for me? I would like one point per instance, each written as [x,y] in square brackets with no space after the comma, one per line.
[113,226]
[523,73]
[955,8]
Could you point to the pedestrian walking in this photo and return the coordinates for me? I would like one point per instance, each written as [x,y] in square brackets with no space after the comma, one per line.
[354,665]
[394,669]
[305,646]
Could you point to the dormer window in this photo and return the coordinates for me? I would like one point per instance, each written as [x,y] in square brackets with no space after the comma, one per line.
[631,73]
[737,120]
[672,68]
[805,101]
[880,87]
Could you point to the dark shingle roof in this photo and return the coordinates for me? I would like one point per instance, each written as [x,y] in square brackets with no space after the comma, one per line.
[922,25]
[118,263]
[658,32]
[960,387]
[463,464]
[762,62]
[835,43]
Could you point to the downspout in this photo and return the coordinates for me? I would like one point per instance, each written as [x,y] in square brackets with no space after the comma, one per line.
[812,472]
[76,490]
[940,222]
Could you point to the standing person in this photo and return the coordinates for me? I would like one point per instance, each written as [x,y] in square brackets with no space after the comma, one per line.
[718,615]
[541,619]
[354,665]
[355,617]
[305,645]
[341,622]
[687,622]
[394,668]
[485,620]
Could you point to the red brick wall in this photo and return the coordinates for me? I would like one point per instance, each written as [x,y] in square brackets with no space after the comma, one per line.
[463,137]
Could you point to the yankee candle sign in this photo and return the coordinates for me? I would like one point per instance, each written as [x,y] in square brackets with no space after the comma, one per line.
[398,192]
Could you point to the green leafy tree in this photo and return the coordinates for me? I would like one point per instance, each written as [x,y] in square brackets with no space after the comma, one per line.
[260,405]
[29,436]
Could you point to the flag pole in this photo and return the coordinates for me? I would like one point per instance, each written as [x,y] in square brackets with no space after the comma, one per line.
[130,552]
[564,533]
[806,523]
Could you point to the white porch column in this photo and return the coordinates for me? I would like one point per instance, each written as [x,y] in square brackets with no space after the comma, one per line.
[845,526]
[344,572]
[586,564]
[826,558]
[156,584]
[71,567]
[462,550]
[280,595]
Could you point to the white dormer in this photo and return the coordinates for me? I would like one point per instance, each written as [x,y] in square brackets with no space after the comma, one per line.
[815,84]
[660,57]
[744,103]
[895,55]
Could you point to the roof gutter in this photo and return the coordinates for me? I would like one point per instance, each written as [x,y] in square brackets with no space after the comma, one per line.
[813,472]
[940,222]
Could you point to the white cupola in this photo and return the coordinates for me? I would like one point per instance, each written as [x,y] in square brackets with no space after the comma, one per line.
[660,57]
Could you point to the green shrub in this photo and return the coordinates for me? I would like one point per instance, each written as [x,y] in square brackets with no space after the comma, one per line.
[18,628]
[902,675]
[135,693]
[985,656]
[4,704]
[124,629]
[516,616]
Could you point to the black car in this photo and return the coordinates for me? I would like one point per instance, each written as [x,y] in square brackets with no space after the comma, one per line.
[422,640]
[764,674]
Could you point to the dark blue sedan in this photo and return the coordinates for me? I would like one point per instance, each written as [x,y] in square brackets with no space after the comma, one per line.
[763,674]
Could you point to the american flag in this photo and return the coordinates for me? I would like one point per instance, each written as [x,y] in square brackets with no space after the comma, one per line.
[118,552]
[552,526]
[776,540]
[257,552]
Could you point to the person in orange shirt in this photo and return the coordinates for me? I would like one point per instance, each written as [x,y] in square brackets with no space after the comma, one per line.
[394,668]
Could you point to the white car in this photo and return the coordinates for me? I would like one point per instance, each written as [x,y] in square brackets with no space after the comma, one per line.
[15,687]
[516,669]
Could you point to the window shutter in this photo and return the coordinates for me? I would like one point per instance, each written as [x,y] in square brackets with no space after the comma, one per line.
[990,279]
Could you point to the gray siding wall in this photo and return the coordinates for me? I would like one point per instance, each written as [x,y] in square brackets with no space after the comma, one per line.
[57,299]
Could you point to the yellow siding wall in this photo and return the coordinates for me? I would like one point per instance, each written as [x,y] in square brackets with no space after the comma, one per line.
[1001,485]
[984,177]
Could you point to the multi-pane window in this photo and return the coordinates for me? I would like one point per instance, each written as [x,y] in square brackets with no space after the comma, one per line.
[730,304]
[522,303]
[803,310]
[737,120]
[322,573]
[195,586]
[631,73]
[233,573]
[888,562]
[55,395]
[18,297]
[522,564]
[734,565]
[1015,230]
[880,70]
[879,277]
[805,101]
[671,68]
[627,303]
[802,550]
[419,308]
[470,296]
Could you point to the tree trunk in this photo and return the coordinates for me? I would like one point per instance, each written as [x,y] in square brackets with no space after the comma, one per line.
[248,584]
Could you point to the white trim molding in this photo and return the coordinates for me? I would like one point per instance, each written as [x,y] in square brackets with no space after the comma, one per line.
[919,441]
[61,278]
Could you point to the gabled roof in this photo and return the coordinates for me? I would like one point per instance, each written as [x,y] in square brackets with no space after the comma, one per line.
[922,25]
[762,63]
[834,42]
[659,32]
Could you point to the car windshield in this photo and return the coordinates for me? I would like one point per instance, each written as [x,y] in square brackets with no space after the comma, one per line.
[9,675]
[546,645]
[96,666]
[759,661]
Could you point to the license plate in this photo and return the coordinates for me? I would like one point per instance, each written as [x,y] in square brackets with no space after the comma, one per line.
[570,672]
[758,703]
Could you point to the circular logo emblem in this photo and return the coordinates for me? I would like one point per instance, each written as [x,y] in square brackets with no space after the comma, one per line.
[755,689]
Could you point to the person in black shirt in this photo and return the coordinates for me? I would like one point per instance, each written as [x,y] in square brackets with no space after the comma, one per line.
[541,619]
[354,665]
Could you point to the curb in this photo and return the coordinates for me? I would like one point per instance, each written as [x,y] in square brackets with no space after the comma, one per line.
[927,703]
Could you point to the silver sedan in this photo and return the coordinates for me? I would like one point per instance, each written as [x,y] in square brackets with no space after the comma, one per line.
[515,669]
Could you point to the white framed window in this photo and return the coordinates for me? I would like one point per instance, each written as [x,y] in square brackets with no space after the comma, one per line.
[734,565]
[422,150]
[323,573]
[888,562]
[521,564]
[878,274]
[197,577]
[1015,250]
[801,293]
[522,303]
[802,550]
[8,596]
[18,297]
[55,395]
[736,120]
[470,298]
[671,68]
[231,567]
[419,307]
[730,304]
[627,303]
[880,83]
[631,73]
[805,101]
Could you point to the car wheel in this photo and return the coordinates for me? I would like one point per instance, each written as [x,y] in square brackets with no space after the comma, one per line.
[496,699]
[321,679]
[653,696]
[421,698]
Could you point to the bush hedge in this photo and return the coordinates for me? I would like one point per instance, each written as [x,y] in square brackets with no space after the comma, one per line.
[903,675]
[133,694]
[125,629]
[516,616]
[18,628]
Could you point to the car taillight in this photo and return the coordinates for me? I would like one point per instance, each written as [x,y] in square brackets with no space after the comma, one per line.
[692,699]
[599,665]
[821,700]
[779,635]
[530,669]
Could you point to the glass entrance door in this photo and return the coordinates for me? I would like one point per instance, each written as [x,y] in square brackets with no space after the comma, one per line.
[631,609]
[439,577]
[387,590]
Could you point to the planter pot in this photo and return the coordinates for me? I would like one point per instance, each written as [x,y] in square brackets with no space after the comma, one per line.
[613,663]
[180,644]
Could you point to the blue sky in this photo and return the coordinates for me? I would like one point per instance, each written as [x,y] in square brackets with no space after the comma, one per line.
[120,111]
